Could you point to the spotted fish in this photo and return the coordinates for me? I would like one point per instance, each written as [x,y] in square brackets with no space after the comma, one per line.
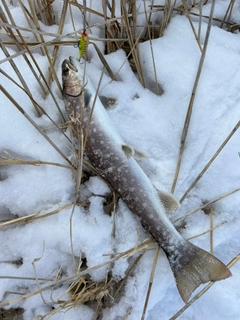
[114,160]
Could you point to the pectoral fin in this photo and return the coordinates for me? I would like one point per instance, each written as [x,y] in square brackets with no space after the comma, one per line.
[129,152]
[139,154]
[169,202]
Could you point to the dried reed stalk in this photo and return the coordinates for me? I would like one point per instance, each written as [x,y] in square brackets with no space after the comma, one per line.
[117,34]
[211,161]
[190,106]
[167,14]
[44,11]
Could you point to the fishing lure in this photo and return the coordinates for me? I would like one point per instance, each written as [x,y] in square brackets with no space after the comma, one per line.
[82,43]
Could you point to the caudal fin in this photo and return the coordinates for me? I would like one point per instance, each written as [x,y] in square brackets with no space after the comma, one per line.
[193,266]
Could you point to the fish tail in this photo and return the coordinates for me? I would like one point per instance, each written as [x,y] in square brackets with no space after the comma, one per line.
[193,266]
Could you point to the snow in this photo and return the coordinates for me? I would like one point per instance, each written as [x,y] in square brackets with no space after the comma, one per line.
[150,123]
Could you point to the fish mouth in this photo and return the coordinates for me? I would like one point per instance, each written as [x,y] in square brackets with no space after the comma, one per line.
[68,65]
[73,61]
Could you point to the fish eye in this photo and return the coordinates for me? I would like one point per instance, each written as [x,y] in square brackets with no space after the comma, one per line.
[65,71]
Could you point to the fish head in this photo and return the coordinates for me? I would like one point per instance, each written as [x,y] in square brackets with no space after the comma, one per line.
[73,76]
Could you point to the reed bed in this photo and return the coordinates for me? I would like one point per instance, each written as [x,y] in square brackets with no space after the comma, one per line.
[120,32]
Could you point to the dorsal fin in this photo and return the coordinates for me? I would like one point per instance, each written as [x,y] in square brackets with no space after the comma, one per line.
[169,202]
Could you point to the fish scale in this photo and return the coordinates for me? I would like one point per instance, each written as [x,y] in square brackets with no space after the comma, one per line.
[109,154]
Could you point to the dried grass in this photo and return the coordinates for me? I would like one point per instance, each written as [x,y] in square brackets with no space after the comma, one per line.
[191,102]
[120,32]
[12,314]
[44,11]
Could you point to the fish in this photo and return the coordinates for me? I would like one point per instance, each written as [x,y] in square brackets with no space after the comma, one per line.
[114,161]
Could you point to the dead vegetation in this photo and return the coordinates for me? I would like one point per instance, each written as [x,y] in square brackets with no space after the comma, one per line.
[120,32]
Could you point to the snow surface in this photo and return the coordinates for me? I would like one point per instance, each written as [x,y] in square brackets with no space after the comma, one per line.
[151,124]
